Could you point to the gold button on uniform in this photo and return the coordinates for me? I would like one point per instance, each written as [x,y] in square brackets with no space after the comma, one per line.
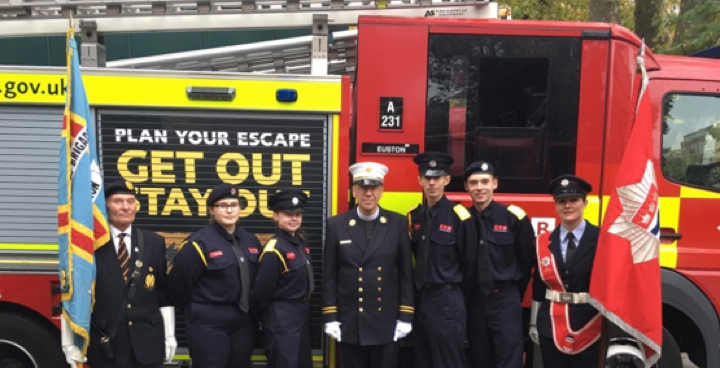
[129,306]
[379,278]
[379,309]
[360,269]
[130,323]
[379,268]
[360,300]
[359,279]
[379,289]
[360,309]
[379,299]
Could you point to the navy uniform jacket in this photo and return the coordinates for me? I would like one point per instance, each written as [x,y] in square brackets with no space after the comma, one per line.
[140,330]
[282,273]
[205,270]
[450,235]
[511,241]
[575,276]
[367,291]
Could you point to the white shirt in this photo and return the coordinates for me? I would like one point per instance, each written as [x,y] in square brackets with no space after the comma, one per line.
[115,233]
[577,233]
[371,217]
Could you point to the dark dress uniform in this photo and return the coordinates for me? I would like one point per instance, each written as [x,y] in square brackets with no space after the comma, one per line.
[575,277]
[367,286]
[506,245]
[282,290]
[440,236]
[139,340]
[212,283]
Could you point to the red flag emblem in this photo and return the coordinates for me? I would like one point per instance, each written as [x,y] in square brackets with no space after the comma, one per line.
[253,250]
[290,255]
[625,283]
[215,254]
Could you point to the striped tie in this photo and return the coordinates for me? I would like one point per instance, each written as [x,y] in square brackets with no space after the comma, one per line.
[123,257]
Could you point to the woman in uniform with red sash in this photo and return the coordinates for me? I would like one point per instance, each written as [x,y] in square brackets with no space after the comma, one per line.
[562,322]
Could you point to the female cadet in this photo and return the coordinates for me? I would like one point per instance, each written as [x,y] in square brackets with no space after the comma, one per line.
[562,322]
[211,280]
[284,284]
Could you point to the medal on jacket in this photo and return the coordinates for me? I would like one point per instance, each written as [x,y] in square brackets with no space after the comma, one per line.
[150,281]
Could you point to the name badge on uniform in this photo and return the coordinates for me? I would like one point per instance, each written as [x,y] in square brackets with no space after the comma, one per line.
[216,253]
[307,250]
[253,250]
[446,228]
[290,255]
[346,241]
[500,228]
[416,226]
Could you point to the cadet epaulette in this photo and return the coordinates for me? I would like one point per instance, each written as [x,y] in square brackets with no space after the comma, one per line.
[182,245]
[270,248]
[200,252]
[462,212]
[409,216]
[517,211]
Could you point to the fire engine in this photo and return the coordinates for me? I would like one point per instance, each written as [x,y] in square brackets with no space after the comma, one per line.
[537,99]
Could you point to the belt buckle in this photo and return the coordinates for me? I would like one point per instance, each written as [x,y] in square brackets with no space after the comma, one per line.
[566,298]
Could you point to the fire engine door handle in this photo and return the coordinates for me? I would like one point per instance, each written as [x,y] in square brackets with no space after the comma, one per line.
[673,236]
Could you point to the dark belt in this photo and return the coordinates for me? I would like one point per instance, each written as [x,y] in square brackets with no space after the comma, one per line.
[504,284]
[441,286]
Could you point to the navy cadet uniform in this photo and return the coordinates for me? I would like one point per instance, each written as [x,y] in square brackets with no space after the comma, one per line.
[211,280]
[367,280]
[282,290]
[439,236]
[573,259]
[501,272]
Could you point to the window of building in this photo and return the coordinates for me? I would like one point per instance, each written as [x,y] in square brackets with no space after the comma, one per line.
[512,101]
[691,140]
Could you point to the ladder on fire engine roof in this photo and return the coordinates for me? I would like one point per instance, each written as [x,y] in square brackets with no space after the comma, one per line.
[296,55]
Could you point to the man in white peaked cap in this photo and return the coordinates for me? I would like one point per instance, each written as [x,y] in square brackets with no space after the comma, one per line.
[368,301]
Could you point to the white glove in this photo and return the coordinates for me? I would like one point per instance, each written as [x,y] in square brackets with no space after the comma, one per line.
[533,323]
[168,315]
[333,329]
[73,356]
[401,330]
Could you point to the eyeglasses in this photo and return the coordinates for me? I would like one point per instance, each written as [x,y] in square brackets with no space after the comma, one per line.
[225,206]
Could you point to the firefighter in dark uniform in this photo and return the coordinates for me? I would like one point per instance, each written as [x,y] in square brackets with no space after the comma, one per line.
[562,322]
[506,245]
[211,280]
[132,322]
[283,286]
[368,301]
[441,232]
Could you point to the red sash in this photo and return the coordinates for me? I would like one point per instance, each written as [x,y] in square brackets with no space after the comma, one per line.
[566,339]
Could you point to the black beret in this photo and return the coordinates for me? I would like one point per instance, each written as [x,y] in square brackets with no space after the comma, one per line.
[288,200]
[221,191]
[119,187]
[478,167]
[569,186]
[433,163]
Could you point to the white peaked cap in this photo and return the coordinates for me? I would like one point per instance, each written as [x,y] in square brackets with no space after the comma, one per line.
[368,173]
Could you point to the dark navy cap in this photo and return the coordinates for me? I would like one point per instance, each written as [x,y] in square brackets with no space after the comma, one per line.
[478,167]
[288,200]
[432,164]
[569,186]
[221,191]
[119,187]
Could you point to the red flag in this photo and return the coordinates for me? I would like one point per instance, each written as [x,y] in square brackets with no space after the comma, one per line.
[625,285]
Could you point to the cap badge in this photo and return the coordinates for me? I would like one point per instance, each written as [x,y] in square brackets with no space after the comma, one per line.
[383,219]
[295,201]
[352,223]
[484,167]
[565,182]
[369,169]
[232,191]
[432,163]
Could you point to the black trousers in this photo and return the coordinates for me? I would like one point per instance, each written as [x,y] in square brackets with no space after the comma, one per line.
[367,356]
[495,331]
[439,328]
[552,357]
[219,336]
[286,333]
[134,364]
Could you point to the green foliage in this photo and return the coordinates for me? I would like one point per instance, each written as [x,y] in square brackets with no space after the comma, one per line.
[703,31]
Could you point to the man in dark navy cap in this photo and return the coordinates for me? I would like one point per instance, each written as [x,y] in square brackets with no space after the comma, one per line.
[211,281]
[368,301]
[284,284]
[500,269]
[568,334]
[441,231]
[133,322]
